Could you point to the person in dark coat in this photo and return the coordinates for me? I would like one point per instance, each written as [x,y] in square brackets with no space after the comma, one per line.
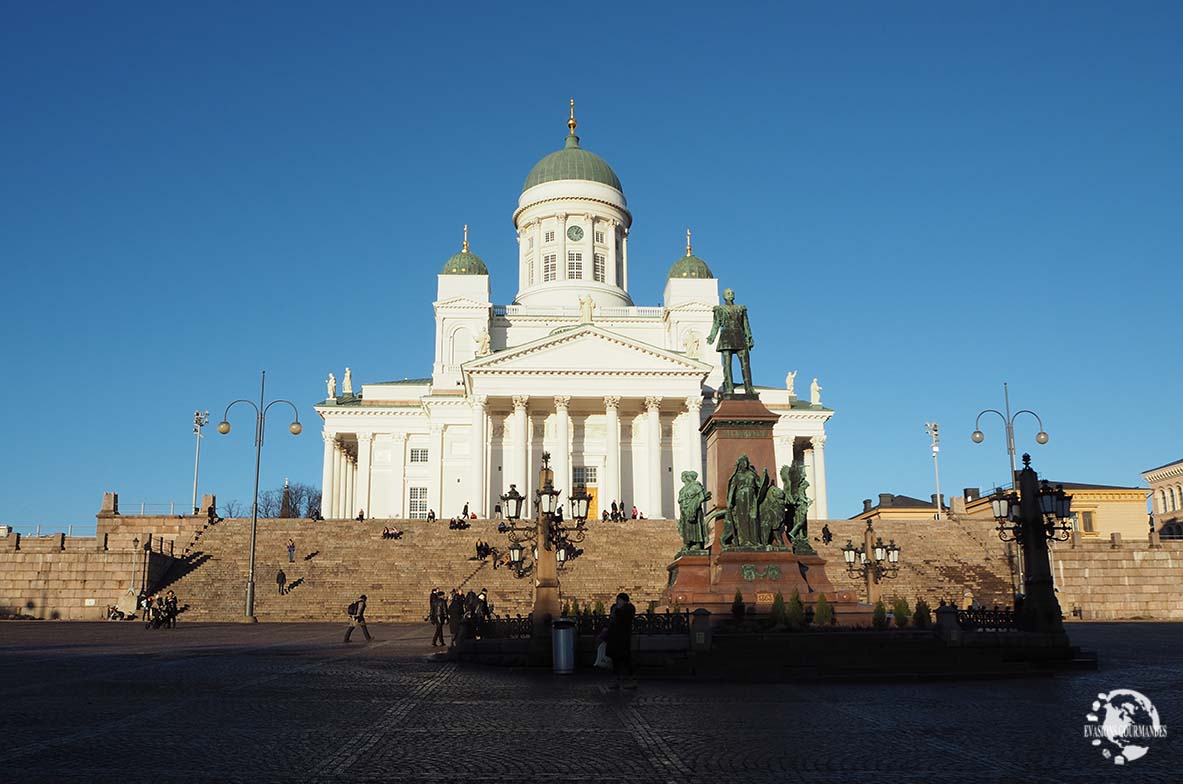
[455,614]
[480,612]
[358,618]
[620,641]
[281,580]
[439,616]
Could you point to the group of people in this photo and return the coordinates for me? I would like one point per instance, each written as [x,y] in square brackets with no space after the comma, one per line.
[458,524]
[159,611]
[464,614]
[617,513]
[392,533]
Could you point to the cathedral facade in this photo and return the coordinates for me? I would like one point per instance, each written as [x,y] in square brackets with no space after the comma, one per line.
[616,393]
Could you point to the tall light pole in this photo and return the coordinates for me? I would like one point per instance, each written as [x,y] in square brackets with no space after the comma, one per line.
[1009,420]
[200,420]
[934,431]
[260,425]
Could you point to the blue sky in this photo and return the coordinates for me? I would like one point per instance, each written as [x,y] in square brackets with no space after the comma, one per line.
[917,201]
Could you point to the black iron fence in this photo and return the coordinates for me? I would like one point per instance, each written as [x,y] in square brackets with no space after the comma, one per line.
[516,627]
[997,619]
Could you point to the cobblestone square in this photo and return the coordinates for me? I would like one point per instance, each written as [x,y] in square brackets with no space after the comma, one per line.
[113,702]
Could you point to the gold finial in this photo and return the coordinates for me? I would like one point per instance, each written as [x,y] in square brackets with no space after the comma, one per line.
[688,242]
[465,248]
[571,123]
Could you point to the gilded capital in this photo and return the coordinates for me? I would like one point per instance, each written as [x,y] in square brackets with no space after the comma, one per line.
[520,402]
[561,402]
[694,403]
[612,402]
[652,402]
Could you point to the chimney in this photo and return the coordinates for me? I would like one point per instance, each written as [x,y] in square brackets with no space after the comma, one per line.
[866,504]
[972,493]
[885,500]
[933,497]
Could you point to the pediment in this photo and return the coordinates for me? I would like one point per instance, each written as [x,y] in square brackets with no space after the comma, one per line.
[461,303]
[587,349]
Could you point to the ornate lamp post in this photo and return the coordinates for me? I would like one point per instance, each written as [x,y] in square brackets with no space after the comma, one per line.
[1035,516]
[260,424]
[549,535]
[1008,420]
[873,561]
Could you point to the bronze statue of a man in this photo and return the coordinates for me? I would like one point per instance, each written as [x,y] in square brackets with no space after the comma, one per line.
[691,521]
[735,337]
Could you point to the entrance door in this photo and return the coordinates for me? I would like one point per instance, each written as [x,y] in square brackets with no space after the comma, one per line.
[586,476]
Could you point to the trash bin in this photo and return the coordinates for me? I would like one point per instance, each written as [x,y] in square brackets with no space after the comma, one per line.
[562,644]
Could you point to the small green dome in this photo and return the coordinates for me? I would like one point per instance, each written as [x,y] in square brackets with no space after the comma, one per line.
[465,263]
[572,163]
[690,266]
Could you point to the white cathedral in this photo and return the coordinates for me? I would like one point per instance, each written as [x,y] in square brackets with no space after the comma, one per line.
[615,393]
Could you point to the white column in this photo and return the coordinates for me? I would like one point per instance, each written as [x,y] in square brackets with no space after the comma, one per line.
[435,492]
[653,449]
[362,490]
[610,484]
[624,260]
[350,474]
[477,450]
[338,481]
[398,459]
[811,491]
[515,448]
[326,476]
[819,477]
[561,456]
[610,272]
[693,438]
[562,275]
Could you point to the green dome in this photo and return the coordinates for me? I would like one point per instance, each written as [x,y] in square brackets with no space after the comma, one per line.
[572,163]
[690,266]
[465,263]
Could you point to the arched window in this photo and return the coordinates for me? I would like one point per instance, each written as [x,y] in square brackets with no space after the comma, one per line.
[1171,531]
[1171,498]
[1162,501]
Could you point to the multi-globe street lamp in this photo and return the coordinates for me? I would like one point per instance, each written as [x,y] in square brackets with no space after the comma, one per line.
[1008,420]
[553,540]
[260,424]
[872,561]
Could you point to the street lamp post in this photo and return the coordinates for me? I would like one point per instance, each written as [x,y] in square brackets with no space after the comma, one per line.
[873,561]
[934,430]
[1008,420]
[1035,516]
[260,424]
[551,537]
[200,420]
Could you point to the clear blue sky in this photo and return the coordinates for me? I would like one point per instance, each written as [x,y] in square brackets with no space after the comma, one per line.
[918,201]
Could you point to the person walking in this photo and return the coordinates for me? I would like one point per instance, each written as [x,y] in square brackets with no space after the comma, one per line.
[357,617]
[281,580]
[170,609]
[827,536]
[291,550]
[620,641]
[439,616]
[455,614]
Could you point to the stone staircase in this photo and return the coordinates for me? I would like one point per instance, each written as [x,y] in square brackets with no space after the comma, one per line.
[338,560]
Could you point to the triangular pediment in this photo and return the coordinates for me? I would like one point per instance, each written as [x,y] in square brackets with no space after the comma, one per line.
[585,349]
[459,303]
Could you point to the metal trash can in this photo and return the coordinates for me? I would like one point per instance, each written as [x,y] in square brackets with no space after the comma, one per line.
[562,645]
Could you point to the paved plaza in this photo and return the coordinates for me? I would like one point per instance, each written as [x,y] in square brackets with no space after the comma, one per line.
[113,702]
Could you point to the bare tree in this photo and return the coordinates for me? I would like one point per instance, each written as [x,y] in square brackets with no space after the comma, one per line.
[269,503]
[314,499]
[232,508]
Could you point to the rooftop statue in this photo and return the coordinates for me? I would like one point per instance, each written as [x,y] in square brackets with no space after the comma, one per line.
[347,383]
[331,385]
[735,337]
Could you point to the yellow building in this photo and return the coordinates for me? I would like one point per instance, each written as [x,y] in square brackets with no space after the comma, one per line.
[1166,498]
[900,507]
[1097,510]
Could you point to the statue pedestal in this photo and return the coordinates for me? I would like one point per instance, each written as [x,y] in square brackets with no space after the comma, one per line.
[739,426]
[758,575]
